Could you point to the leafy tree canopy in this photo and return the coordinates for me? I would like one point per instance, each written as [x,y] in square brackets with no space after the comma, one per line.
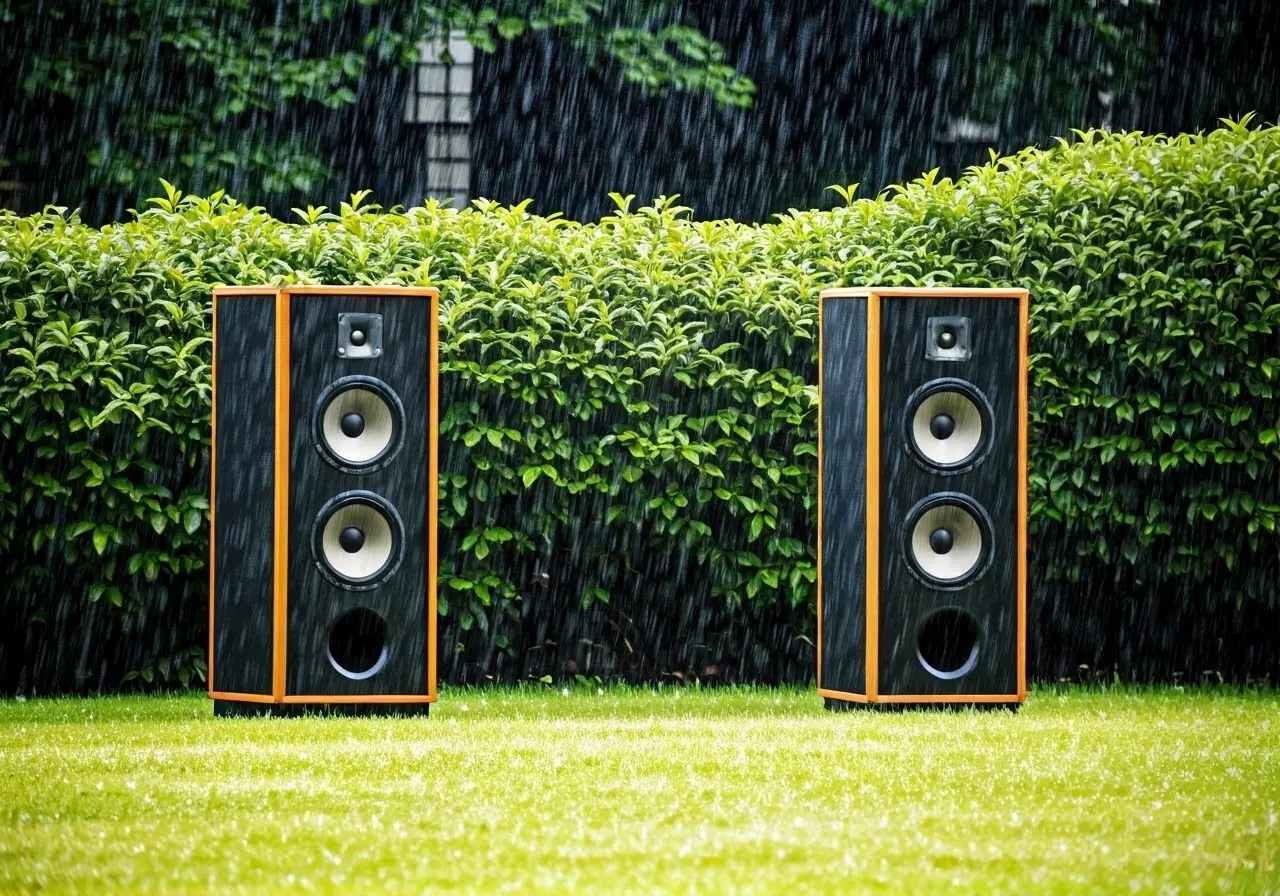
[109,95]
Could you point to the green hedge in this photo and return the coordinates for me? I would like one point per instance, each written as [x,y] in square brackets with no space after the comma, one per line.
[629,407]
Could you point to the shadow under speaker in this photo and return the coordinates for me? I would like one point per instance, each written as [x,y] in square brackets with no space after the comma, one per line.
[922,495]
[323,499]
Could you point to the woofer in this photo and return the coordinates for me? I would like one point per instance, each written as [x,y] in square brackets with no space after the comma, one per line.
[948,425]
[358,423]
[358,540]
[947,540]
[948,642]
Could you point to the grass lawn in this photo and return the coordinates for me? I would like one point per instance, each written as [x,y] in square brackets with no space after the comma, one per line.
[640,790]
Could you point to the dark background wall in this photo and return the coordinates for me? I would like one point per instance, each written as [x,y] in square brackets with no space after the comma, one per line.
[846,93]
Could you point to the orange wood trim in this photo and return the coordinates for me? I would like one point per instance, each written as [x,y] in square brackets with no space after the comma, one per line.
[213,478]
[359,698]
[245,290]
[304,289]
[907,292]
[821,339]
[433,491]
[390,292]
[281,536]
[243,698]
[1023,310]
[922,698]
[873,496]
[950,698]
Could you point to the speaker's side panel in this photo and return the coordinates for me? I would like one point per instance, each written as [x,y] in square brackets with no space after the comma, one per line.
[242,535]
[842,410]
[949,496]
[358,495]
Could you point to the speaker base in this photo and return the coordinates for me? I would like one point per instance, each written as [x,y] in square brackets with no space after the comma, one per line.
[833,705]
[245,709]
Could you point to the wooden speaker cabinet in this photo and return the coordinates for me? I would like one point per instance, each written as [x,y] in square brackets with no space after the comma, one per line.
[322,565]
[922,495]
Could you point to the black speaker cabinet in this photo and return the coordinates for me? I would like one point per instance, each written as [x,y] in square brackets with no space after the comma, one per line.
[922,495]
[322,555]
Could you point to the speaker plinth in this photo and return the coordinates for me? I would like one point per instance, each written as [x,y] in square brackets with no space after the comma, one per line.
[947,540]
[948,425]
[358,424]
[358,540]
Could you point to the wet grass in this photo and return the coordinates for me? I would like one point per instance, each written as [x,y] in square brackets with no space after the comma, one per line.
[633,790]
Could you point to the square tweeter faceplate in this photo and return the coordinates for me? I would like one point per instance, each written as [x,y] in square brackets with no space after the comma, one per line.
[948,339]
[359,335]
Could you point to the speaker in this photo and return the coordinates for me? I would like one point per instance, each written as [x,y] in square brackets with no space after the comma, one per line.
[322,553]
[922,496]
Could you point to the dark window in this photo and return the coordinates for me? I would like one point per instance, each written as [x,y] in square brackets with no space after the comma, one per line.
[441,104]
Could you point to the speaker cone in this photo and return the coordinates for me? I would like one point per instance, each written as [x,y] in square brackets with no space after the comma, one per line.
[358,644]
[358,540]
[947,540]
[359,424]
[947,643]
[948,425]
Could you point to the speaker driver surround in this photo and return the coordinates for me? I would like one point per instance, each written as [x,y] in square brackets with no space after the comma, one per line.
[358,540]
[358,424]
[947,540]
[948,425]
